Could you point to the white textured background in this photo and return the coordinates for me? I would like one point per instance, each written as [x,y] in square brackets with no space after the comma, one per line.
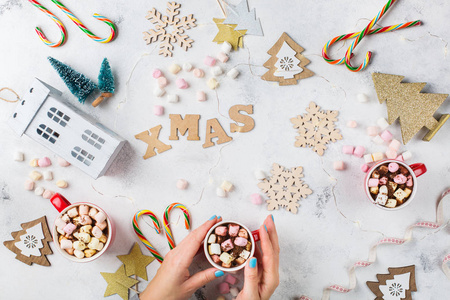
[327,235]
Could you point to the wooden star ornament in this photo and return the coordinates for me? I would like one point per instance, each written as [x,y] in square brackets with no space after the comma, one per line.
[118,283]
[135,262]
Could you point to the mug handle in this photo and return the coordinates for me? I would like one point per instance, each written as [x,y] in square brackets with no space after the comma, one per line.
[418,169]
[255,234]
[59,202]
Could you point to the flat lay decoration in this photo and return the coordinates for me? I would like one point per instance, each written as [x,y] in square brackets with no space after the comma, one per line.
[285,188]
[404,101]
[105,82]
[140,234]
[135,262]
[243,18]
[150,137]
[118,283]
[316,128]
[397,285]
[31,243]
[169,29]
[60,25]
[227,33]
[286,65]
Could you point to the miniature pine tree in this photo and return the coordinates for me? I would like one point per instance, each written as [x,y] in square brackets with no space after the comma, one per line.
[105,82]
[405,102]
[79,85]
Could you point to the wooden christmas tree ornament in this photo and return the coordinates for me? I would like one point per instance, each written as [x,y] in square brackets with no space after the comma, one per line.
[397,285]
[405,102]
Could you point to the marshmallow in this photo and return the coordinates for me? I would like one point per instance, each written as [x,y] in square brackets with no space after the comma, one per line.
[65,218]
[348,149]
[368,158]
[256,199]
[359,151]
[377,156]
[223,57]
[352,124]
[406,155]
[18,156]
[157,73]
[400,195]
[383,180]
[84,237]
[339,165]
[69,228]
[393,167]
[216,258]
[73,212]
[245,254]
[44,162]
[92,212]
[97,232]
[382,123]
[220,192]
[86,228]
[365,168]
[362,98]
[89,252]
[158,110]
[48,175]
[199,73]
[34,162]
[86,220]
[394,145]
[158,92]
[214,249]
[65,244]
[94,243]
[174,68]
[240,241]
[78,254]
[60,223]
[230,279]
[29,185]
[391,154]
[182,184]
[386,136]
[187,67]
[35,175]
[224,288]
[84,209]
[383,190]
[201,96]
[233,73]
[409,181]
[227,245]
[216,71]
[100,217]
[381,199]
[181,83]
[162,82]
[212,239]
[259,174]
[172,98]
[47,194]
[373,182]
[39,191]
[400,179]
[213,83]
[101,225]
[100,246]
[63,162]
[233,229]
[62,184]
[372,130]
[391,203]
[226,258]
[243,233]
[234,291]
[221,230]
[400,158]
[209,61]
[226,47]
[378,140]
[226,186]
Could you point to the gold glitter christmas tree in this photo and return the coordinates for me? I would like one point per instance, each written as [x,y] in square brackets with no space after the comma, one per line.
[405,102]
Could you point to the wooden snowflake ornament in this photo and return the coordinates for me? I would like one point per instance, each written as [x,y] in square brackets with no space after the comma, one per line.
[316,128]
[285,188]
[169,29]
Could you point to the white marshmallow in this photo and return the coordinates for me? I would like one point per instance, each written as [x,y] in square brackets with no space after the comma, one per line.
[18,156]
[215,249]
[66,244]
[234,291]
[382,123]
[233,73]
[39,191]
[172,98]
[78,245]
[84,237]
[187,67]
[221,193]
[226,47]
[158,92]
[78,253]
[378,140]
[362,98]
[212,239]
[62,184]
[216,71]
[260,175]
[94,243]
[245,254]
[29,185]
[48,175]
[407,155]
[174,68]
[368,158]
[100,246]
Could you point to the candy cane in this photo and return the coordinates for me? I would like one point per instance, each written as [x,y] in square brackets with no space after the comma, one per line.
[445,266]
[354,34]
[41,34]
[187,222]
[84,28]
[141,236]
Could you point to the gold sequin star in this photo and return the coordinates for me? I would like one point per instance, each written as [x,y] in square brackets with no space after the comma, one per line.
[118,283]
[227,33]
[135,262]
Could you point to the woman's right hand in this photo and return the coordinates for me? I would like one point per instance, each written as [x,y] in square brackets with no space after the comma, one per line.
[261,276]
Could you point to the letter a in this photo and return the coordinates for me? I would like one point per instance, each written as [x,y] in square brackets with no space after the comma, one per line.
[215,130]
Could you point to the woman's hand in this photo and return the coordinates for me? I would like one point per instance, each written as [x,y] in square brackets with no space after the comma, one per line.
[261,272]
[173,281]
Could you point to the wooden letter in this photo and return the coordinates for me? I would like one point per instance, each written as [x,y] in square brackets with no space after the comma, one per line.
[248,121]
[190,124]
[152,141]
[215,130]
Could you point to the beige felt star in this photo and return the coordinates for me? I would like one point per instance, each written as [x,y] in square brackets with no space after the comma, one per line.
[118,283]
[227,33]
[135,262]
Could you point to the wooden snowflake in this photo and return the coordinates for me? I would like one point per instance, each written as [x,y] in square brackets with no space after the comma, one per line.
[169,29]
[316,128]
[285,188]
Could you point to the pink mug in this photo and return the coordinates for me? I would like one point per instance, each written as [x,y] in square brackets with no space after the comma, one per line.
[62,206]
[415,171]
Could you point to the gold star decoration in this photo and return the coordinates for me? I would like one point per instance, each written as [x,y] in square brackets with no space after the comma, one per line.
[135,262]
[118,283]
[227,33]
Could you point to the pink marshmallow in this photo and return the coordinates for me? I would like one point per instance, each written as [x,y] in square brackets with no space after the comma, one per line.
[230,279]
[365,168]
[157,73]
[393,167]
[227,245]
[359,151]
[391,154]
[85,220]
[395,145]
[201,96]
[240,241]
[372,130]
[84,209]
[400,179]
[256,199]
[199,73]
[352,124]
[216,258]
[63,162]
[233,230]
[100,217]
[409,181]
[386,136]
[44,162]
[101,225]
[162,82]
[69,228]
[224,288]
[399,158]
[222,57]
[373,182]
[209,61]
[181,83]
[383,180]
[97,232]
[158,110]
[339,165]
[348,149]
[221,230]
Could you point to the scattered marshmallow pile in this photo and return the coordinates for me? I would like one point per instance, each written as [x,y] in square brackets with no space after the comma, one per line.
[390,184]
[83,231]
[229,245]
[47,175]
[224,189]
[224,287]
[181,83]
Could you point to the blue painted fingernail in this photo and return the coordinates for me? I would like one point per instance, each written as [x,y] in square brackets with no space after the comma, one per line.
[219,273]
[265,227]
[212,218]
[272,218]
[218,217]
[252,263]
